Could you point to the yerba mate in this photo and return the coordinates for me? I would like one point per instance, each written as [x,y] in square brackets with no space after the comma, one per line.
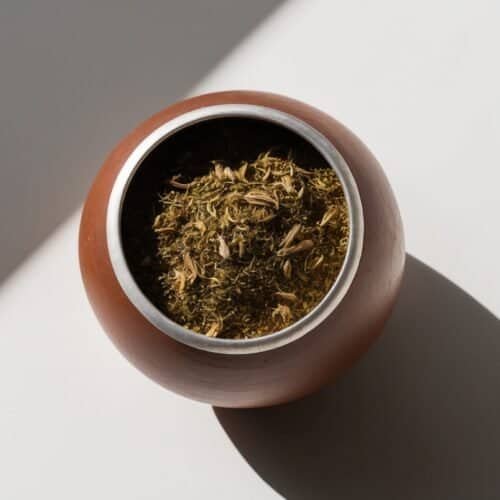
[246,252]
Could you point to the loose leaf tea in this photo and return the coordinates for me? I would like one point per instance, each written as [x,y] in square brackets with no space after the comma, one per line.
[248,251]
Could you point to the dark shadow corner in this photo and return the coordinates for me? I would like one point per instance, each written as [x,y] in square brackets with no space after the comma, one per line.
[418,417]
[77,76]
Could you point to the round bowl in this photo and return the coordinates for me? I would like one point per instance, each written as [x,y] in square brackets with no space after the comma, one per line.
[275,368]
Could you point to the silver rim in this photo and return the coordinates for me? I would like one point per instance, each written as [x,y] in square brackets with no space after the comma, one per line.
[227,346]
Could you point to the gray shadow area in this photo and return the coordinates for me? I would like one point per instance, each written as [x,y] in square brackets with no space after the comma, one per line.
[76,77]
[418,417]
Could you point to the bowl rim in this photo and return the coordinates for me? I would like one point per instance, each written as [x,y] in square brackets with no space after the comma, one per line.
[235,346]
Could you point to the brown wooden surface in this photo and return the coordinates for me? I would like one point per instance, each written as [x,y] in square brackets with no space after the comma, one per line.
[276,376]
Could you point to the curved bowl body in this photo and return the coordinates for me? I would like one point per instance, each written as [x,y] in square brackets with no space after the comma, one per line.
[274,376]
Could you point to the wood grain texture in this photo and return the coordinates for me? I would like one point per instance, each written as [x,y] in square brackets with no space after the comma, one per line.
[276,376]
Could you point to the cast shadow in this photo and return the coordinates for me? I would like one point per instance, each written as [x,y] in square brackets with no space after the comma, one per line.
[77,76]
[418,417]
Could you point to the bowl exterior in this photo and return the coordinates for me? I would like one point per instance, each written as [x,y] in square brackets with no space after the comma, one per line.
[276,376]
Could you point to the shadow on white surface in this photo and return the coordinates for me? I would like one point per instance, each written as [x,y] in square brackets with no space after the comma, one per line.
[76,76]
[417,418]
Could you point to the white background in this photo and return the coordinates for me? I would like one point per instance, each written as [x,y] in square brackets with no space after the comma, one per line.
[419,82]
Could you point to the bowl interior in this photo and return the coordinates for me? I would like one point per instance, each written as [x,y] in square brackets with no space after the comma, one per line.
[189,152]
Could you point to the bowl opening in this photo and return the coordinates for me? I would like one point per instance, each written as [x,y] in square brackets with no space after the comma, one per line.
[189,152]
[186,146]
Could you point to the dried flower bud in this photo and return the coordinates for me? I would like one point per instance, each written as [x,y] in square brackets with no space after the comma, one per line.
[179,185]
[282,312]
[219,171]
[261,198]
[229,174]
[299,247]
[328,216]
[287,269]
[286,296]
[290,236]
[223,248]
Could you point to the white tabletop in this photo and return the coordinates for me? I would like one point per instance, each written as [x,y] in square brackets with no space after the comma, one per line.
[419,416]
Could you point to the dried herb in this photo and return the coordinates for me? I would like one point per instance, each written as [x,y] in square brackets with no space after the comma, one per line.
[248,251]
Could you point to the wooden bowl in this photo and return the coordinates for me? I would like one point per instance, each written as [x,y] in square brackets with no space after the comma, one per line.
[240,373]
